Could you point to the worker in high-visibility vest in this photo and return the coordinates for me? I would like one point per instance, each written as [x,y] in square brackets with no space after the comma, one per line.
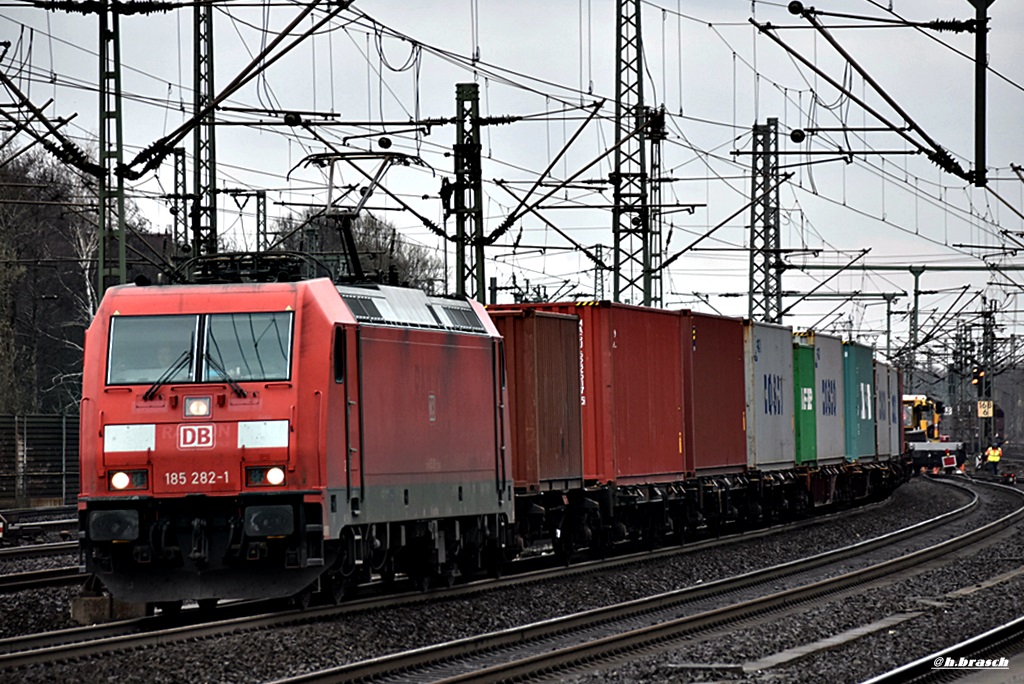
[992,456]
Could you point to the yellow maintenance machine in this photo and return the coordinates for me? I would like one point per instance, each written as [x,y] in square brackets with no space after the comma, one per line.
[929,448]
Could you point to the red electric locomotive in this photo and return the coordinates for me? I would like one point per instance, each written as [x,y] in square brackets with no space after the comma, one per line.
[249,440]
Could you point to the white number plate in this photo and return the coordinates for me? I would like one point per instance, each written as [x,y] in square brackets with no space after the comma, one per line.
[196,477]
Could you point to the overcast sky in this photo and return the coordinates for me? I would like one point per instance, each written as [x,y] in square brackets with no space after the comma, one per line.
[400,60]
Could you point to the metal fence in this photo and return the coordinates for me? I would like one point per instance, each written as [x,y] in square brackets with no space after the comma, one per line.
[38,460]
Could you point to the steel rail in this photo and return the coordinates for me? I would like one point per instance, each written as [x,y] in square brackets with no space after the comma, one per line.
[129,634]
[38,550]
[658,634]
[1007,639]
[40,579]
[484,647]
[43,526]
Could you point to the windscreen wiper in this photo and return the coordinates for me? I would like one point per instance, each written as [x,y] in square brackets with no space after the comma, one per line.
[225,376]
[181,362]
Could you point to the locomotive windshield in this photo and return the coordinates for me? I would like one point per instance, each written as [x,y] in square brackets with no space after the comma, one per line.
[253,346]
[143,348]
[208,348]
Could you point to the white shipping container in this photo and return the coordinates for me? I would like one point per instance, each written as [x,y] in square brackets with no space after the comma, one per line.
[830,403]
[768,371]
[895,412]
[883,406]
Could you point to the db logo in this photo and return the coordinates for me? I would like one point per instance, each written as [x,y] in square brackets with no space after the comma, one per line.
[195,436]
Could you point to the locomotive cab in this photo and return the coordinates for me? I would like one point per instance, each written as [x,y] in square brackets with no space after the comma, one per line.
[192,484]
[245,440]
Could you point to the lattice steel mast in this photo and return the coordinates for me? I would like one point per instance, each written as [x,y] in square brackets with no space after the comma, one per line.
[765,263]
[656,134]
[631,226]
[111,263]
[204,150]
[468,195]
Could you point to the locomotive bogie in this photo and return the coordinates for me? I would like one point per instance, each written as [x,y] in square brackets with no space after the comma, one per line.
[165,550]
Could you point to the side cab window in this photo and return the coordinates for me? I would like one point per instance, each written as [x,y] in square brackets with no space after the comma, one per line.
[339,354]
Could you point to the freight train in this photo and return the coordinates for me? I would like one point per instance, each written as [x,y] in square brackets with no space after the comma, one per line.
[260,439]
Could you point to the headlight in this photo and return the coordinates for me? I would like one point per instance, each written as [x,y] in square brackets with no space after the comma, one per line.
[264,476]
[275,476]
[128,479]
[197,407]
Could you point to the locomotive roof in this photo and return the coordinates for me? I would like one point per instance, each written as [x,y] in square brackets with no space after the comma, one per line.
[386,305]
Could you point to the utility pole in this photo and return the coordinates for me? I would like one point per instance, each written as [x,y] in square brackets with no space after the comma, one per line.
[986,409]
[111,265]
[179,205]
[656,133]
[631,227]
[468,195]
[598,272]
[916,271]
[980,96]
[889,298]
[204,151]
[765,302]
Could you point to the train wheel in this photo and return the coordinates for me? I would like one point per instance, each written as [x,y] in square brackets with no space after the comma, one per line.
[301,599]
[448,576]
[337,588]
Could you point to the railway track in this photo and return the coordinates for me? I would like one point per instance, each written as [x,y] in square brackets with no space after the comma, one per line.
[1002,643]
[547,648]
[29,514]
[32,523]
[71,644]
[41,579]
[38,550]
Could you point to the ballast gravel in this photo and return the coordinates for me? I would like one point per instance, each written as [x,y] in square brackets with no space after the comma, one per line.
[260,656]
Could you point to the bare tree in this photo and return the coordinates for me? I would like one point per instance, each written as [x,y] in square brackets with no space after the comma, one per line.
[47,248]
[385,255]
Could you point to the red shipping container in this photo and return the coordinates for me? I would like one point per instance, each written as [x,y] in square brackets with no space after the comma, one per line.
[715,393]
[542,362]
[631,394]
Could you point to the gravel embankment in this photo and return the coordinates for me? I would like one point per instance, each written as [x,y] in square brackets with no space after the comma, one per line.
[263,656]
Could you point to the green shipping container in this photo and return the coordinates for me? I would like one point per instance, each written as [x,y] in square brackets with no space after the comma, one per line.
[859,386]
[804,407]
